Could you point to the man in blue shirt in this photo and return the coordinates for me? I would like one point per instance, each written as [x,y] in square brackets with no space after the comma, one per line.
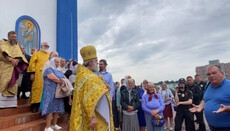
[109,81]
[107,76]
[216,96]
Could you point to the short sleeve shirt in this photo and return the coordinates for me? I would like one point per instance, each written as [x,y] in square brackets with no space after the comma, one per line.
[184,96]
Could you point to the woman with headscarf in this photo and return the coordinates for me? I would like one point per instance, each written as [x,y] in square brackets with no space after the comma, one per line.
[130,103]
[153,106]
[51,106]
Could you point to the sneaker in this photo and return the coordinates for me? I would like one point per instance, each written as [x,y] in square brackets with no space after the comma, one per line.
[56,127]
[165,128]
[48,129]
[171,129]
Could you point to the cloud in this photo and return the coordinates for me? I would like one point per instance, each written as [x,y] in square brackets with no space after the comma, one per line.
[155,39]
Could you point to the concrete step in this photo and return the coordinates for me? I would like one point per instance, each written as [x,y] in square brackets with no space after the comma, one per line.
[37,125]
[23,106]
[64,125]
[23,101]
[21,119]
[18,119]
[14,110]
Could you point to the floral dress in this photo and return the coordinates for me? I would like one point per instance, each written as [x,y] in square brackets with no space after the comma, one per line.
[50,104]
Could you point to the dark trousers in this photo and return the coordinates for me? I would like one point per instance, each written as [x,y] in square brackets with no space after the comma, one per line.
[181,115]
[66,105]
[115,114]
[200,121]
[25,85]
[219,129]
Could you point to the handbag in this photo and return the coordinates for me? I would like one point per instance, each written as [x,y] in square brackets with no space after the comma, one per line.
[158,122]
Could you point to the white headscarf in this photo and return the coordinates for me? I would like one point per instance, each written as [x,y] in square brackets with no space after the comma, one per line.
[128,87]
[52,63]
[142,84]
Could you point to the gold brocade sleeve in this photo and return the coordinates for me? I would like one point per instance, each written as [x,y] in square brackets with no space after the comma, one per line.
[32,64]
[89,88]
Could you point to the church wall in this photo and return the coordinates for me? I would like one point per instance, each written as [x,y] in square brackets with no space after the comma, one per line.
[43,11]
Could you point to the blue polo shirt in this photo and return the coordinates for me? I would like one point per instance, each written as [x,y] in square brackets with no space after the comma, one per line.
[109,80]
[213,97]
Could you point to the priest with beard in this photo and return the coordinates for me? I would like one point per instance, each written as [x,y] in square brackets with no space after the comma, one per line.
[12,63]
[92,106]
[35,68]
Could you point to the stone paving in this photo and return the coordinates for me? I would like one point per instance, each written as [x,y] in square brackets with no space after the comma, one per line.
[196,125]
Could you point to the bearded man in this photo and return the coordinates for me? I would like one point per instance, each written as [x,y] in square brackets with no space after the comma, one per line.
[92,106]
[37,62]
[12,63]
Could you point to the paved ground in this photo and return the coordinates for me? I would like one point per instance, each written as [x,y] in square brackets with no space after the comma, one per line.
[196,125]
[183,126]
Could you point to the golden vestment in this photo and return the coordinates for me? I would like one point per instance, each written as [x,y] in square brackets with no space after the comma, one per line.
[89,88]
[6,67]
[37,62]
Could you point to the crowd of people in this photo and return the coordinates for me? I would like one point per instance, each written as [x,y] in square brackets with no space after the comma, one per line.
[99,103]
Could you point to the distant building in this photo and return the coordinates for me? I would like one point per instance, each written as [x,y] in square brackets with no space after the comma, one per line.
[202,70]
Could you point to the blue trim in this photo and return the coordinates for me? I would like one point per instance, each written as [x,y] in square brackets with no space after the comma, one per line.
[67,29]
[36,24]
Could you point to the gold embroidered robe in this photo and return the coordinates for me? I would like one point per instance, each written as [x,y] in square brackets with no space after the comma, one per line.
[37,62]
[6,67]
[89,88]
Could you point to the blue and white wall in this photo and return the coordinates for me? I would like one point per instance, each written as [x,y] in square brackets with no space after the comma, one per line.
[57,20]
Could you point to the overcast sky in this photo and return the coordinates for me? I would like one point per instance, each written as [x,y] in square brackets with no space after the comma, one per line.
[156,40]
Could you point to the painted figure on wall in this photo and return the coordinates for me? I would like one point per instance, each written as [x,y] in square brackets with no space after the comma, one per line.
[28,35]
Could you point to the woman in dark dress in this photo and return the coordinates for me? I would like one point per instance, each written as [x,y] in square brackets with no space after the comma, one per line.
[130,103]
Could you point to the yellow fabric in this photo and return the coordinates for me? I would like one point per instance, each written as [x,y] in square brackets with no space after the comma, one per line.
[89,88]
[37,62]
[88,52]
[6,67]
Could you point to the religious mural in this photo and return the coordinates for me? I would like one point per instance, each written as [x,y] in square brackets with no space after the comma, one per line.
[28,34]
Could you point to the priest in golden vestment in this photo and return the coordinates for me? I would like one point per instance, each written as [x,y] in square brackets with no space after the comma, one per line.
[92,106]
[12,63]
[37,62]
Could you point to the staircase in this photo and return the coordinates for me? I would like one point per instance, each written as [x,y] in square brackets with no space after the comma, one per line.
[21,119]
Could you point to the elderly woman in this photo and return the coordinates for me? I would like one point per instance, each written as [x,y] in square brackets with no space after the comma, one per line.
[130,103]
[62,67]
[153,106]
[51,106]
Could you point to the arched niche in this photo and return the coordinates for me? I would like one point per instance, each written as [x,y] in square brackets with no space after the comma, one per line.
[28,33]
